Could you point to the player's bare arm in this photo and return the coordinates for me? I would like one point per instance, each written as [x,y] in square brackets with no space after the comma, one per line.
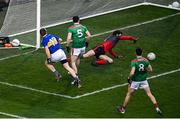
[131,72]
[48,54]
[149,68]
[69,40]
[88,36]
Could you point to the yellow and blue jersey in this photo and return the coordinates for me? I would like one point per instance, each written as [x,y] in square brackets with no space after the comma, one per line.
[52,42]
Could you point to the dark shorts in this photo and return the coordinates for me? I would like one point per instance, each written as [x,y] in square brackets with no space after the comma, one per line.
[99,50]
[63,61]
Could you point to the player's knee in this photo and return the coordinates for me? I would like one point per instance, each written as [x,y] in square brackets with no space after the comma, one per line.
[129,94]
[85,56]
[110,61]
[46,63]
[149,95]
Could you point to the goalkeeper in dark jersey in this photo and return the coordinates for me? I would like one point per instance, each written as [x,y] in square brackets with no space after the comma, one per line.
[106,47]
[138,80]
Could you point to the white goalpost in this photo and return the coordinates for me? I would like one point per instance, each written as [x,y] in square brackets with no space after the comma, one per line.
[38,25]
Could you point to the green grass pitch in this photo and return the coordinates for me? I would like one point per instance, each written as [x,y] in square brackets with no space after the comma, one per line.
[161,37]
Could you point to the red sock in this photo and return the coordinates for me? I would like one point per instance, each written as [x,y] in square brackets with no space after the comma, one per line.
[101,62]
[69,60]
[155,105]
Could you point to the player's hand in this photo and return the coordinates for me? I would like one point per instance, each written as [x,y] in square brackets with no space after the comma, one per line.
[87,44]
[129,80]
[68,49]
[49,61]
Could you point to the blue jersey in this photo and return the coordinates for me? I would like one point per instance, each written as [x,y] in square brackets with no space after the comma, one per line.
[52,42]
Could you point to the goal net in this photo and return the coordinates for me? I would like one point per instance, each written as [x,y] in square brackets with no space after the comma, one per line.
[24,18]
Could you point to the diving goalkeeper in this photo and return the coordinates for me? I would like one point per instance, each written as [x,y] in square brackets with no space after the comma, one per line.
[106,47]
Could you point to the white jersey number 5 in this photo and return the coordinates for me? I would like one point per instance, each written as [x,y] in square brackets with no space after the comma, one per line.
[79,32]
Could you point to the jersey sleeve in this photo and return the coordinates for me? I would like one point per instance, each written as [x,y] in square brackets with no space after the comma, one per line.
[70,30]
[126,38]
[57,38]
[85,29]
[133,64]
[44,43]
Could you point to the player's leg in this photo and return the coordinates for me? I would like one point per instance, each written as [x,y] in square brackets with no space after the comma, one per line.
[75,59]
[72,72]
[152,98]
[131,88]
[58,56]
[89,54]
[126,100]
[55,72]
[146,87]
[105,59]
[102,59]
[73,63]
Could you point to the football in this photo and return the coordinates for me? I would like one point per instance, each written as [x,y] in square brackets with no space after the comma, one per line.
[151,56]
[15,42]
[175,4]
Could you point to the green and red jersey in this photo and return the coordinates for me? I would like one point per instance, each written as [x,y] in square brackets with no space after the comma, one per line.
[78,35]
[140,65]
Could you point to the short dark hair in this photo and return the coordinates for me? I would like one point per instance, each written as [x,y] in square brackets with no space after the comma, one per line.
[138,51]
[117,32]
[75,19]
[43,31]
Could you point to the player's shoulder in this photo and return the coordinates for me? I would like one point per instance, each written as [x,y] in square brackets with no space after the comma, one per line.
[134,60]
[140,60]
[145,59]
[72,26]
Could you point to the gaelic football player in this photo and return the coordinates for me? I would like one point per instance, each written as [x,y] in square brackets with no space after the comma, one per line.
[79,36]
[55,53]
[137,79]
[106,47]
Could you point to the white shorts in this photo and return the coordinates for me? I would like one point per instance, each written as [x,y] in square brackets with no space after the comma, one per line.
[139,84]
[78,51]
[58,56]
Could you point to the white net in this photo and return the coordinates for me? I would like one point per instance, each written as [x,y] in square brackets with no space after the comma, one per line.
[63,10]
[162,2]
[21,14]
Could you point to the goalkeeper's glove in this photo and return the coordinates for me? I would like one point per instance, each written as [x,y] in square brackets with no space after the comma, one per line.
[129,80]
[87,44]
[49,61]
[68,49]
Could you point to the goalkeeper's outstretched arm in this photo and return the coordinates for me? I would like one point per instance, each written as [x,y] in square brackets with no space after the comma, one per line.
[128,38]
[114,54]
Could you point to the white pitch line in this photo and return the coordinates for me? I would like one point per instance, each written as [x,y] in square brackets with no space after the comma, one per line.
[86,94]
[121,85]
[35,90]
[17,55]
[126,27]
[138,24]
[11,115]
[134,25]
